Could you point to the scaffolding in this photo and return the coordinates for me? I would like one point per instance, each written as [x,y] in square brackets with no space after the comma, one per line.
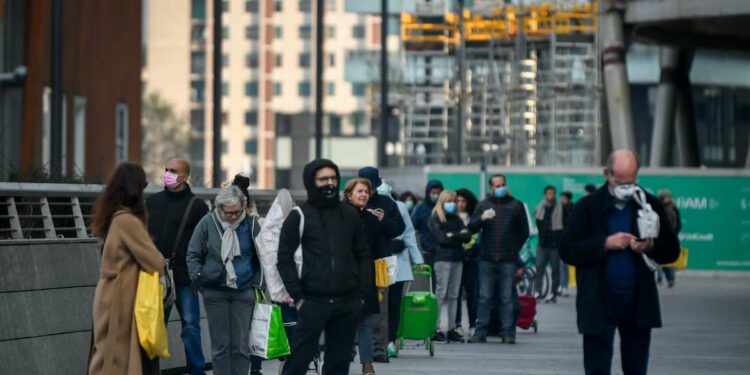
[532,84]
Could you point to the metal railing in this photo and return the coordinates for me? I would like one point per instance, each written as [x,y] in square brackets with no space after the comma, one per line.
[50,211]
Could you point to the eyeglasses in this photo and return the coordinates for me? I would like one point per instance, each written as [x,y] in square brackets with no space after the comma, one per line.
[232,213]
[327,178]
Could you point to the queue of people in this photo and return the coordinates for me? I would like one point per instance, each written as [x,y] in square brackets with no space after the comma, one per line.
[325,259]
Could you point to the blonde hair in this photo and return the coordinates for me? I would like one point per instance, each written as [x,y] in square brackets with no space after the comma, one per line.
[445,196]
[354,182]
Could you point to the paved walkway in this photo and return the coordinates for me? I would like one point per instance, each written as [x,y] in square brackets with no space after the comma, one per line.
[707,331]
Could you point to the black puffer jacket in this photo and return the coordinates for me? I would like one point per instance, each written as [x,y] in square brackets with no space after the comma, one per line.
[392,224]
[449,248]
[165,212]
[504,235]
[336,257]
[371,226]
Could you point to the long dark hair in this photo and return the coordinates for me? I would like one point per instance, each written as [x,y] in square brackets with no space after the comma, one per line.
[124,190]
[471,199]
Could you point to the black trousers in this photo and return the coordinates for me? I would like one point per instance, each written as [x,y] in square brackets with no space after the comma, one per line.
[634,341]
[339,322]
[395,294]
[470,286]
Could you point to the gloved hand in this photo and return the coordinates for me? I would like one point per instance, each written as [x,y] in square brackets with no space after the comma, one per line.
[488,214]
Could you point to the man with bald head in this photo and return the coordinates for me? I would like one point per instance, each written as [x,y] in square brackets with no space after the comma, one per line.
[173,214]
[616,288]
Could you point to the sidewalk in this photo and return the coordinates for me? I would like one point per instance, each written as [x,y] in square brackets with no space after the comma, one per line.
[707,331]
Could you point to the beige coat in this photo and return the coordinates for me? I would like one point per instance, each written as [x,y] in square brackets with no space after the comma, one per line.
[127,249]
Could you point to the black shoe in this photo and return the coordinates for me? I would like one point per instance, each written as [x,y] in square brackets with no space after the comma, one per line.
[255,372]
[477,339]
[439,337]
[509,340]
[455,336]
[381,359]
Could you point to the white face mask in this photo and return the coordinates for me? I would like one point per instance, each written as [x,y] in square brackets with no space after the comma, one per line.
[624,192]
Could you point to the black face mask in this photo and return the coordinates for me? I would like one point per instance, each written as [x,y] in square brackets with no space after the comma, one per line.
[329,192]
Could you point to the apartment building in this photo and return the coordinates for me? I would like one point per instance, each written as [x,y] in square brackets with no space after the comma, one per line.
[268,83]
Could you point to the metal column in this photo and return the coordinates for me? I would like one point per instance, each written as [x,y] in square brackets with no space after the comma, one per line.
[460,122]
[384,111]
[319,82]
[661,144]
[216,115]
[56,72]
[688,151]
[616,76]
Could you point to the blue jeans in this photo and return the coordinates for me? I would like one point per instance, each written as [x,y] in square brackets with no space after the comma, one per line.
[188,306]
[365,339]
[496,275]
[563,274]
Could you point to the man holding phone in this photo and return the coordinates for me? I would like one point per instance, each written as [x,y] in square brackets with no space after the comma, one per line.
[616,288]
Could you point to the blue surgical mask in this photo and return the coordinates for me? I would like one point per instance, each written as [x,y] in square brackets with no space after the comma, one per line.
[501,192]
[384,189]
[449,207]
[409,205]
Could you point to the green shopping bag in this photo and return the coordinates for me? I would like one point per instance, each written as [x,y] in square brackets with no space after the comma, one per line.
[267,335]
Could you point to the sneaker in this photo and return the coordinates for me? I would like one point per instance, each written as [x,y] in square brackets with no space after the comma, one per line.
[478,339]
[564,292]
[670,283]
[382,359]
[537,295]
[439,337]
[509,339]
[392,350]
[551,299]
[455,336]
[367,369]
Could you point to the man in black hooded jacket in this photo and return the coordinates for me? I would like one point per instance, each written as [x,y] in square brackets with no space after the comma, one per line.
[336,271]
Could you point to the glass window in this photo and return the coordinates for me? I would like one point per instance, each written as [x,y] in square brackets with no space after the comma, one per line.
[251,60]
[196,149]
[305,32]
[225,32]
[277,89]
[251,6]
[330,32]
[197,89]
[225,6]
[358,89]
[251,89]
[197,33]
[121,132]
[225,89]
[330,88]
[224,60]
[358,32]
[251,118]
[197,120]
[331,5]
[198,10]
[305,5]
[304,60]
[251,146]
[278,60]
[79,135]
[277,6]
[303,89]
[198,62]
[277,32]
[251,32]
[331,60]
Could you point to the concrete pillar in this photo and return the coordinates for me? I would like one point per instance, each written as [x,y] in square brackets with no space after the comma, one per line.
[688,149]
[661,144]
[615,75]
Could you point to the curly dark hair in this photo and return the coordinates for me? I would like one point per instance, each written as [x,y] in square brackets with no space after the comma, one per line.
[471,199]
[124,189]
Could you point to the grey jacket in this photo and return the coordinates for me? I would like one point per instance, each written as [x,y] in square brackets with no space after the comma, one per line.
[204,253]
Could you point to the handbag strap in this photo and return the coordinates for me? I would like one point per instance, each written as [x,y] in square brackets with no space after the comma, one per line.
[181,229]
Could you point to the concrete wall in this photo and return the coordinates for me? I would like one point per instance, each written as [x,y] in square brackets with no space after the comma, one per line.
[46,296]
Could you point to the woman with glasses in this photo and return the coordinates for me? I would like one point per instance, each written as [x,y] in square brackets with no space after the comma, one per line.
[224,266]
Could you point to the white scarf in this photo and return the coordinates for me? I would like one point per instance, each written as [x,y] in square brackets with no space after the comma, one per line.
[230,247]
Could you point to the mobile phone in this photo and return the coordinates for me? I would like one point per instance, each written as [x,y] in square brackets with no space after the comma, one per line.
[641,239]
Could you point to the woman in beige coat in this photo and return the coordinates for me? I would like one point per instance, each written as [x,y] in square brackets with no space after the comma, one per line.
[120,220]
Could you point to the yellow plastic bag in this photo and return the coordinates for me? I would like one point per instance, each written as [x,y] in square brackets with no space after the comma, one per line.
[681,262]
[149,316]
[381,273]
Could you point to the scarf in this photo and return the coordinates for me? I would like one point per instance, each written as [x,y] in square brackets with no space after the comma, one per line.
[557,213]
[230,247]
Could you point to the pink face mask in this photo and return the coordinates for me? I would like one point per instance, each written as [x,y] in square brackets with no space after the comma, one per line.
[170,180]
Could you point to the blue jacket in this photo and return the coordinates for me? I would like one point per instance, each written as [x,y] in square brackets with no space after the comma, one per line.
[411,255]
[421,217]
